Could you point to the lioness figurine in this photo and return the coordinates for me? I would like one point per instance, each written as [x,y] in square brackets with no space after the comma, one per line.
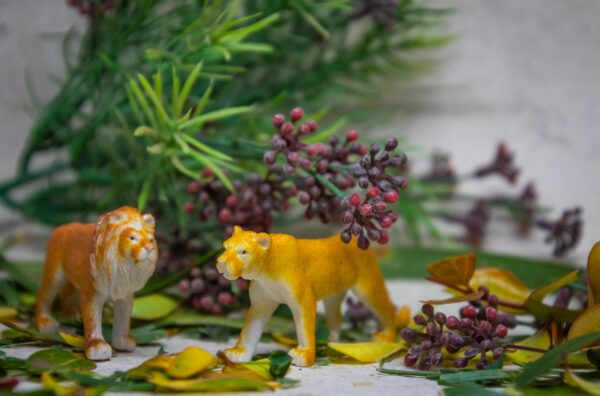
[106,261]
[298,272]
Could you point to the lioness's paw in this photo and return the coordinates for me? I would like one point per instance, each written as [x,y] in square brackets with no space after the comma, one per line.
[98,350]
[237,354]
[302,357]
[385,336]
[124,343]
[46,324]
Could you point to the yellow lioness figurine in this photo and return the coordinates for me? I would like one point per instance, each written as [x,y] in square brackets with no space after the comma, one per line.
[299,272]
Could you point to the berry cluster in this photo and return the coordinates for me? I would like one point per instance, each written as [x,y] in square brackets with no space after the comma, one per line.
[474,221]
[502,164]
[472,334]
[564,232]
[210,292]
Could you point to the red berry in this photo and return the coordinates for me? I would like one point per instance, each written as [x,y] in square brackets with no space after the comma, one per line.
[379,207]
[207,302]
[390,196]
[287,128]
[225,298]
[452,322]
[189,207]
[293,157]
[225,215]
[297,113]
[383,237]
[242,284]
[351,135]
[269,157]
[355,199]
[206,173]
[193,188]
[386,222]
[469,311]
[491,314]
[363,150]
[312,125]
[304,130]
[230,201]
[216,310]
[184,285]
[365,209]
[278,119]
[501,331]
[373,192]
[312,150]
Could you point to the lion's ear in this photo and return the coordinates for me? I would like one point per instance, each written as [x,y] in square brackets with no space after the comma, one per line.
[149,220]
[116,217]
[264,240]
[237,230]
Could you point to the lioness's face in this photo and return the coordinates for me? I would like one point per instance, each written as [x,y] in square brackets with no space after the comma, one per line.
[243,255]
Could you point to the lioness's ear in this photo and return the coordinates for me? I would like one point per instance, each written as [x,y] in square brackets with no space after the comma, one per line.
[264,240]
[149,220]
[237,230]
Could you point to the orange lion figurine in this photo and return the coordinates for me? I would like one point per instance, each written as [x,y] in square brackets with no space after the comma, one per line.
[106,261]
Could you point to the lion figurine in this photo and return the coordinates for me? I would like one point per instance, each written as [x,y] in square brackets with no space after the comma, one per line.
[95,264]
[298,272]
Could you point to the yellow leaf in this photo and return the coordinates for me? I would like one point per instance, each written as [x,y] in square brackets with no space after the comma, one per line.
[224,384]
[587,322]
[458,298]
[7,313]
[190,361]
[537,308]
[159,362]
[589,387]
[76,341]
[503,284]
[153,307]
[456,270]
[541,340]
[403,317]
[367,352]
[48,382]
[259,367]
[593,273]
[285,341]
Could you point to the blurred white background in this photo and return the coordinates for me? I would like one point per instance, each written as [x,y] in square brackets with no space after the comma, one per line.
[527,73]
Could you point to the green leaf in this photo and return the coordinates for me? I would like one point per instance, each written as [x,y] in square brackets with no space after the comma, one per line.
[552,358]
[116,382]
[153,307]
[216,170]
[279,363]
[196,122]
[54,359]
[461,377]
[187,87]
[203,147]
[311,20]
[410,373]
[156,100]
[327,133]
[535,305]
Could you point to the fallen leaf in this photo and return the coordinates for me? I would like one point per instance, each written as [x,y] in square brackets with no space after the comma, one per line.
[225,384]
[153,307]
[458,298]
[76,341]
[284,340]
[58,359]
[50,383]
[502,283]
[535,305]
[541,340]
[593,273]
[366,352]
[589,387]
[7,313]
[456,270]
[159,362]
[588,322]
[192,360]
[279,363]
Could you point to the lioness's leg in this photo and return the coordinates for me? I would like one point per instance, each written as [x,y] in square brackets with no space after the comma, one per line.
[259,313]
[91,311]
[52,280]
[370,289]
[333,314]
[305,315]
[121,336]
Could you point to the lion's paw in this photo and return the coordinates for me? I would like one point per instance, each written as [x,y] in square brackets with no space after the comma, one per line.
[302,357]
[98,349]
[237,354]
[124,343]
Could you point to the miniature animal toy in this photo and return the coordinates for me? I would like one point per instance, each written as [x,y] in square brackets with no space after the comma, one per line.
[298,272]
[106,261]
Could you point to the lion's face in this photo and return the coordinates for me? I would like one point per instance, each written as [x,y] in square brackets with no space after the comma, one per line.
[244,254]
[128,236]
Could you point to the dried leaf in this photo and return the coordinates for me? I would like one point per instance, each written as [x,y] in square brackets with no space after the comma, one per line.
[216,384]
[192,360]
[456,270]
[76,341]
[58,359]
[367,352]
[541,339]
[459,298]
[588,322]
[502,283]
[589,387]
[7,313]
[153,307]
[535,305]
[593,273]
[159,362]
